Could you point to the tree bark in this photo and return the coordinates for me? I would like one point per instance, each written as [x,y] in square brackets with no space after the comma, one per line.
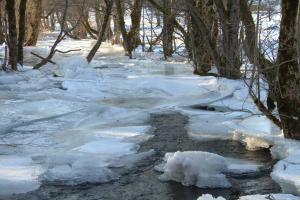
[12,34]
[34,21]
[168,29]
[288,96]
[22,15]
[2,31]
[201,57]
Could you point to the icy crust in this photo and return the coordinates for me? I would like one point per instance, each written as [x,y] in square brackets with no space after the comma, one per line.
[287,173]
[270,196]
[209,197]
[202,169]
[239,166]
[18,175]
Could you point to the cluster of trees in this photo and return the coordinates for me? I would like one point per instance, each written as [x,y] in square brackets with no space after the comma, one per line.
[221,33]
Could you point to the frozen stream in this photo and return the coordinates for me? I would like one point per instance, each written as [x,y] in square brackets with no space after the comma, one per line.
[96,131]
[141,182]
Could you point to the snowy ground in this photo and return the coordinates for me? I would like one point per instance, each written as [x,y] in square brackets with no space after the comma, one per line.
[73,122]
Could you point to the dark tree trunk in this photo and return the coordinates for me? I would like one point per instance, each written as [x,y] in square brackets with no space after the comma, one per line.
[229,22]
[283,76]
[101,36]
[288,94]
[22,15]
[168,29]
[12,34]
[201,57]
[2,31]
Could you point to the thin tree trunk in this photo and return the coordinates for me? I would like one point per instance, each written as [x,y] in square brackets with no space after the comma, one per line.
[22,15]
[102,31]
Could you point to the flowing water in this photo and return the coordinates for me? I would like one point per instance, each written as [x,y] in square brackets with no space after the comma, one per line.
[141,182]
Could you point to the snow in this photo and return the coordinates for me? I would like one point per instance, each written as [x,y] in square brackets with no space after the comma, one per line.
[202,169]
[209,197]
[270,196]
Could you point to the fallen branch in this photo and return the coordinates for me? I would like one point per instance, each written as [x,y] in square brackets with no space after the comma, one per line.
[59,51]
[44,59]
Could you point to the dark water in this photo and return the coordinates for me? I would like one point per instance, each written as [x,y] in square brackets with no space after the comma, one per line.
[141,182]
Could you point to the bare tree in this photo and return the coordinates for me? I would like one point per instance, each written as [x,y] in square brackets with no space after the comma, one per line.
[101,35]
[131,39]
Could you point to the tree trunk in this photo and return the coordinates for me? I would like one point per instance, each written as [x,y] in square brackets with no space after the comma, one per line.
[2,31]
[102,31]
[34,21]
[117,31]
[288,94]
[168,29]
[201,57]
[229,22]
[132,38]
[12,34]
[22,15]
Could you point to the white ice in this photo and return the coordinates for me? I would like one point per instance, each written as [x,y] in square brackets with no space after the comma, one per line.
[270,196]
[202,169]
[209,197]
[239,166]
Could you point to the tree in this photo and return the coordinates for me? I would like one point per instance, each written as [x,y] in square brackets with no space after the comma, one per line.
[34,13]
[200,56]
[103,30]
[2,31]
[288,82]
[283,75]
[131,39]
[21,39]
[168,29]
[12,39]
